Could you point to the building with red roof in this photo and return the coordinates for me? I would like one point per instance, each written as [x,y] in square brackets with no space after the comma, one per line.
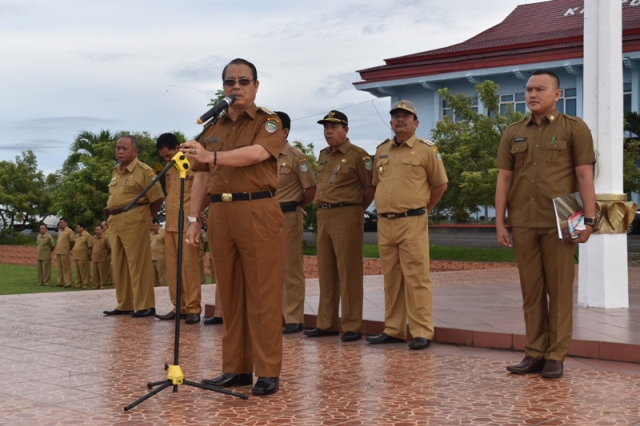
[539,35]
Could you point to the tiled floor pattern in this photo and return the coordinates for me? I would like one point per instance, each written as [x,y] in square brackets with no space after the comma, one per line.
[63,363]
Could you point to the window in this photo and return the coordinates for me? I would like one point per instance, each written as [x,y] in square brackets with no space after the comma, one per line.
[448,111]
[567,102]
[626,90]
[516,100]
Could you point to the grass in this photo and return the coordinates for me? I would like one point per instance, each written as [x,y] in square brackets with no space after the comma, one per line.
[23,280]
[464,254]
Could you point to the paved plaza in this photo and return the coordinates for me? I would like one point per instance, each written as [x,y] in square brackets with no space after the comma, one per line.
[64,363]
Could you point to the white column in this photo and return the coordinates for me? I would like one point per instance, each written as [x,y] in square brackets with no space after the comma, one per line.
[603,271]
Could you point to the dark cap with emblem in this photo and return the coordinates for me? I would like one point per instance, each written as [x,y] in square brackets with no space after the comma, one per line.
[335,117]
[405,106]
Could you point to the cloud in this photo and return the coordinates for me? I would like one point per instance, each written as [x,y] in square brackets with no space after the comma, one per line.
[62,122]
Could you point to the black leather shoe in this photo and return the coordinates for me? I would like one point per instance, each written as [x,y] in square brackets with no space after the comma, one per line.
[170,316]
[383,338]
[117,312]
[350,336]
[193,319]
[212,321]
[226,380]
[552,369]
[266,386]
[418,343]
[291,328]
[318,332]
[527,366]
[144,313]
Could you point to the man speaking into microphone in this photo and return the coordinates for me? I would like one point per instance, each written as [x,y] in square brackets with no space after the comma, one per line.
[235,161]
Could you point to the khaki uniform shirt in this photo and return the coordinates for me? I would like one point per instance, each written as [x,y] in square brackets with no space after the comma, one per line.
[254,126]
[157,244]
[543,159]
[101,249]
[45,246]
[124,187]
[404,175]
[172,201]
[66,239]
[343,175]
[294,174]
[81,248]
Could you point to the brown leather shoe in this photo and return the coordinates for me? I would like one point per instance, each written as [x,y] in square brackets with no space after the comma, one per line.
[527,366]
[192,319]
[552,369]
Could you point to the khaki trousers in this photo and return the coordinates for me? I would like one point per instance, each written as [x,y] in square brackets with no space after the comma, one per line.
[131,259]
[247,243]
[294,283]
[191,294]
[44,271]
[64,269]
[159,272]
[546,267]
[408,289]
[83,272]
[340,238]
[101,274]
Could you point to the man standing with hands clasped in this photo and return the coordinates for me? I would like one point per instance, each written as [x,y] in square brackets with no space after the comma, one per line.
[343,192]
[410,179]
[541,157]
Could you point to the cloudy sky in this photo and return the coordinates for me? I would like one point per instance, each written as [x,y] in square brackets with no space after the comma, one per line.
[142,65]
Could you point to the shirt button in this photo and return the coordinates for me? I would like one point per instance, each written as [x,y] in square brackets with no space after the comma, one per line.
[226,181]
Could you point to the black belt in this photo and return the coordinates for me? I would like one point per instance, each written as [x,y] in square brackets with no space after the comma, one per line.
[334,205]
[242,196]
[119,210]
[289,207]
[414,212]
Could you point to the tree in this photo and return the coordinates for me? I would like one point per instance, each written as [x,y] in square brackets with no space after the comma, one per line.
[24,195]
[631,154]
[83,190]
[468,143]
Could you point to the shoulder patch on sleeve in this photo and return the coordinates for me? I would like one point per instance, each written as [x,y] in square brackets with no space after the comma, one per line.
[368,164]
[266,110]
[427,141]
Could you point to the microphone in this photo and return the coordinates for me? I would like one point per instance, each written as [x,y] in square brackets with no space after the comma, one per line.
[217,109]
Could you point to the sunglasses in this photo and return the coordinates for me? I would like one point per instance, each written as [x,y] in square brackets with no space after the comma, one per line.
[230,82]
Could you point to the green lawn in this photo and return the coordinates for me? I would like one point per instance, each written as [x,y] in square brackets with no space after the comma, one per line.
[23,280]
[464,254]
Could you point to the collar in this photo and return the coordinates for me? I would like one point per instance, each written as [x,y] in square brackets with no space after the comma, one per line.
[344,147]
[551,117]
[409,142]
[251,111]
[285,148]
[130,167]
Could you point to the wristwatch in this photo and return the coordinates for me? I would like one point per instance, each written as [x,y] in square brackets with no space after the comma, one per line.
[191,219]
[592,222]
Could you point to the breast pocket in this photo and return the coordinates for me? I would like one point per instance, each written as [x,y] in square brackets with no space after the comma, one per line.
[519,152]
[411,168]
[557,152]
[284,169]
[382,168]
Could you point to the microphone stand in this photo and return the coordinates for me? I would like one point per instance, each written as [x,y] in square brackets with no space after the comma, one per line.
[175,376]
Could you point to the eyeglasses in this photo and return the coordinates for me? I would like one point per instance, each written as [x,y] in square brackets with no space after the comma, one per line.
[230,82]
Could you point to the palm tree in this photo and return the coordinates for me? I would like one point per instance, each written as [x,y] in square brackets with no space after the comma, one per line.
[84,146]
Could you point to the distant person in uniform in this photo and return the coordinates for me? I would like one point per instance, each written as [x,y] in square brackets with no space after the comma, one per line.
[545,155]
[296,190]
[410,179]
[66,240]
[191,294]
[100,259]
[236,164]
[156,239]
[343,192]
[82,256]
[43,259]
[105,228]
[129,231]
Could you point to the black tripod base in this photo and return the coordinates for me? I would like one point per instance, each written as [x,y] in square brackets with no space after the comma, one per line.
[163,384]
